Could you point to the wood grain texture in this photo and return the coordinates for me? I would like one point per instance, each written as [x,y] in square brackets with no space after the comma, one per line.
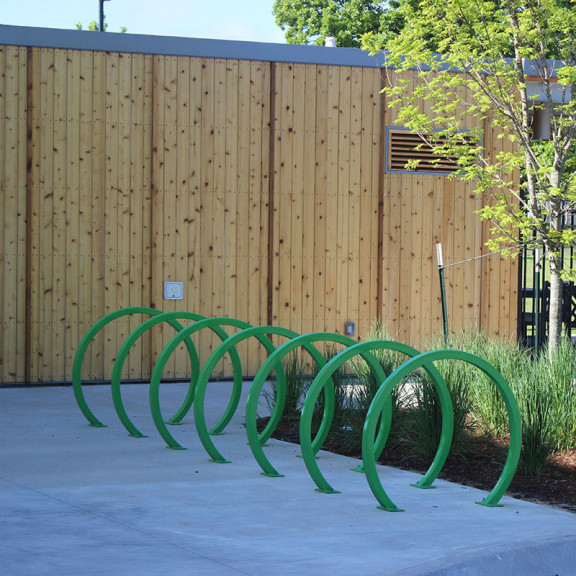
[261,186]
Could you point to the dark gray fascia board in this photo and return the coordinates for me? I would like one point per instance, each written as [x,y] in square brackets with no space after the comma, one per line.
[205,48]
[178,46]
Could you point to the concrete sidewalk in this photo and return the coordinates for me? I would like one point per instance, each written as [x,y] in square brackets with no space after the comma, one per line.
[82,501]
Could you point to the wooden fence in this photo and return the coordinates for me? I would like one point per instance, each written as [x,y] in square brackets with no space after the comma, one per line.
[261,185]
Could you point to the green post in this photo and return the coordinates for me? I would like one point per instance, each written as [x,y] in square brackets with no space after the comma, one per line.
[536,300]
[442,290]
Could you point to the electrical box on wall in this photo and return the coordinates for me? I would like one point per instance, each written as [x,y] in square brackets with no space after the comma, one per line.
[350,329]
[173,290]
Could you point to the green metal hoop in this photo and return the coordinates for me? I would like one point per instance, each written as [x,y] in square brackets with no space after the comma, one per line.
[81,353]
[364,350]
[368,444]
[260,333]
[214,324]
[305,341]
[170,318]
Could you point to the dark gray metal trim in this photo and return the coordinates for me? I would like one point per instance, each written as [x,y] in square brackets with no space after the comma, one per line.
[177,46]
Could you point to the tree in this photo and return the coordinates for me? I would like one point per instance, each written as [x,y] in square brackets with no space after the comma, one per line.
[496,48]
[94,27]
[311,21]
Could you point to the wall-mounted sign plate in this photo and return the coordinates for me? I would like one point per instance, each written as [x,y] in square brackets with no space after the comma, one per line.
[173,290]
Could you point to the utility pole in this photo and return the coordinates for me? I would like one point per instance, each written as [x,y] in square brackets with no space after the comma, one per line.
[101,28]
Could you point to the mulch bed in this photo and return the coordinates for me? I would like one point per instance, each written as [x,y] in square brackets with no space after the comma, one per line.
[479,465]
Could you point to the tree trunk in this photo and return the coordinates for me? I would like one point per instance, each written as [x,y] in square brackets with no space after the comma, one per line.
[554,248]
[556,301]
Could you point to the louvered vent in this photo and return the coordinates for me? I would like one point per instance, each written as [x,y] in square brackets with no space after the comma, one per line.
[405,146]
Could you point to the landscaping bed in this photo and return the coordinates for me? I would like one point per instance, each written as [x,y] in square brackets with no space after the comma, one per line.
[479,464]
[543,390]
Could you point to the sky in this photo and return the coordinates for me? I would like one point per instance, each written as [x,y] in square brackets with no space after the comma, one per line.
[222,19]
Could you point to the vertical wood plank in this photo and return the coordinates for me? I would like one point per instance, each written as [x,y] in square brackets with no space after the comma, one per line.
[170,203]
[112,213]
[158,163]
[34,177]
[424,323]
[178,182]
[441,237]
[296,246]
[310,131]
[259,203]
[46,224]
[245,119]
[230,248]
[377,173]
[195,187]
[148,204]
[341,280]
[5,363]
[321,197]
[13,108]
[283,189]
[9,201]
[219,285]
[59,236]
[85,224]
[355,198]
[368,233]
[124,149]
[208,104]
[22,216]
[71,201]
[98,120]
[133,185]
[88,294]
[333,162]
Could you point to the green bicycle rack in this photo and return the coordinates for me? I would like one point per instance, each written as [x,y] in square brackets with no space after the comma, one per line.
[378,419]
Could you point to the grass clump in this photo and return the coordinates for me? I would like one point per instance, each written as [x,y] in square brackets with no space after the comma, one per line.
[537,426]
[368,385]
[545,391]
[423,419]
[297,385]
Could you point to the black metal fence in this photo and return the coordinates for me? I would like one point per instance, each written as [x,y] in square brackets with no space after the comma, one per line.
[534,297]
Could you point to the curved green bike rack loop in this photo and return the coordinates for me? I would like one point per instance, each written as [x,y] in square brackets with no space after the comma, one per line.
[364,350]
[215,324]
[170,318]
[305,341]
[83,347]
[368,444]
[260,333]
